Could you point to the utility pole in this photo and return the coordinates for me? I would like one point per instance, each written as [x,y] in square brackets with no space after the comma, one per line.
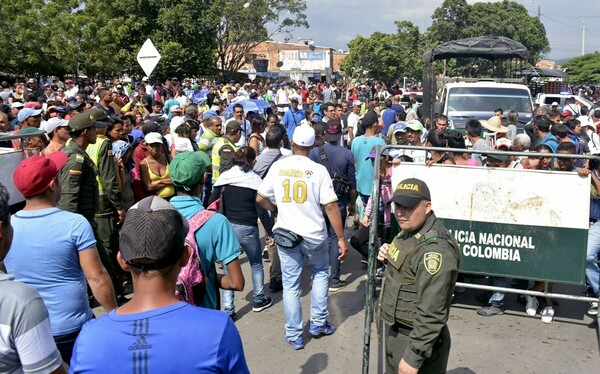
[583,39]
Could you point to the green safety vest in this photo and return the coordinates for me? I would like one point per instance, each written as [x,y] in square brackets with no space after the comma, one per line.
[93,150]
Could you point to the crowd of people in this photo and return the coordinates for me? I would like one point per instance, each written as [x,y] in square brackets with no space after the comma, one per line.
[120,178]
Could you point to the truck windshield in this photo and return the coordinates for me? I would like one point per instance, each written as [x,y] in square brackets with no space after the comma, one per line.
[488,99]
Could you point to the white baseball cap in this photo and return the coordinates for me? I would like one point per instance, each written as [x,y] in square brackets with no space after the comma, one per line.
[53,123]
[153,137]
[304,136]
[554,104]
[356,102]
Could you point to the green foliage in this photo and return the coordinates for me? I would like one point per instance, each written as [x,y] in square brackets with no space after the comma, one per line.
[584,69]
[386,57]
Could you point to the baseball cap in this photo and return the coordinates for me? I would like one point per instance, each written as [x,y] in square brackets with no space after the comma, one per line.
[334,130]
[69,81]
[370,118]
[30,130]
[304,136]
[565,113]
[34,174]
[54,123]
[119,148]
[153,138]
[145,79]
[410,192]
[74,105]
[153,234]
[92,117]
[415,125]
[31,80]
[501,158]
[26,113]
[176,108]
[33,105]
[232,126]
[554,104]
[372,153]
[187,168]
[356,103]
[316,118]
[399,127]
[585,121]
[152,126]
[16,104]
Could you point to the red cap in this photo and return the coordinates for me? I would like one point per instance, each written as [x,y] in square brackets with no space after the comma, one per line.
[69,81]
[566,113]
[34,174]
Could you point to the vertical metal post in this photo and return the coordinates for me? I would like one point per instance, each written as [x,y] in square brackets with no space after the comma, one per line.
[372,266]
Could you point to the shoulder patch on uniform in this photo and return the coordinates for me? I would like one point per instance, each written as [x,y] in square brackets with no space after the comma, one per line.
[433,262]
[79,158]
[110,152]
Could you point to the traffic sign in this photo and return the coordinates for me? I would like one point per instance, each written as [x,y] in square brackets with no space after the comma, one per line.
[148,57]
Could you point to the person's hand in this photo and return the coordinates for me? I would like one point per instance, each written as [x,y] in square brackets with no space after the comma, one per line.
[343,248]
[121,213]
[583,172]
[269,241]
[120,163]
[366,221]
[383,251]
[429,162]
[396,161]
[404,368]
[351,210]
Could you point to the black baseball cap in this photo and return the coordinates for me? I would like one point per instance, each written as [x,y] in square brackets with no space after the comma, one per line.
[152,126]
[153,234]
[334,130]
[410,192]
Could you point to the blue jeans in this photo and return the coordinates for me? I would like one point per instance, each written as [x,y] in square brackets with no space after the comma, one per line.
[592,271]
[250,243]
[334,248]
[292,260]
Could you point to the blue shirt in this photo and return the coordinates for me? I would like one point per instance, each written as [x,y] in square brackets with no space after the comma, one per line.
[365,172]
[178,338]
[44,255]
[389,117]
[292,119]
[341,162]
[216,240]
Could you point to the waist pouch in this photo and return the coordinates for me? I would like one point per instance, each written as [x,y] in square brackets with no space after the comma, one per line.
[286,238]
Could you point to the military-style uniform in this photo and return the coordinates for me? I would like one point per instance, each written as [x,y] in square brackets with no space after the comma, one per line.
[109,195]
[416,297]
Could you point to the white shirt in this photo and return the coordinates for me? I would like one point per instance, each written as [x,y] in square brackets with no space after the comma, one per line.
[352,123]
[282,97]
[300,187]
[246,132]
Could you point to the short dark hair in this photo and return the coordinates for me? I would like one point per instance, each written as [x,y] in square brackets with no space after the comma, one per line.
[473,127]
[559,130]
[566,147]
[437,139]
[455,139]
[4,204]
[258,124]
[553,113]
[274,136]
[542,123]
[572,123]
[597,113]
[238,106]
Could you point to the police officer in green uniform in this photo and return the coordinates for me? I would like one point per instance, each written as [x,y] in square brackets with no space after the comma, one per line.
[422,266]
[110,211]
[78,176]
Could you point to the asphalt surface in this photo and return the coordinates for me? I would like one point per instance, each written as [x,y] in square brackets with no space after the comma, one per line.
[510,343]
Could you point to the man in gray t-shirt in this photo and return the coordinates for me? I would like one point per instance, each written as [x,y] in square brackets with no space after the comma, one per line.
[29,345]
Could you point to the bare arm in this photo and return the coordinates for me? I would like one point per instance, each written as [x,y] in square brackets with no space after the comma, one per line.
[152,186]
[98,278]
[333,213]
[267,204]
[234,279]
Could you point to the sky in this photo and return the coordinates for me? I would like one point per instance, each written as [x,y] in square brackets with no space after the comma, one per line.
[333,23]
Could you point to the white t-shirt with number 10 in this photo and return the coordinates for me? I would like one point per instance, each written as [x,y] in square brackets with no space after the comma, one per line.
[300,187]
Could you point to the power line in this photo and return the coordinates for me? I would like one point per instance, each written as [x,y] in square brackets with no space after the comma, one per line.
[570,25]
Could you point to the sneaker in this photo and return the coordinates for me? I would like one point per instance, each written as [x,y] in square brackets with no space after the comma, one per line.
[364,260]
[296,344]
[275,285]
[489,310]
[265,254]
[593,311]
[547,314]
[532,305]
[316,331]
[262,305]
[337,286]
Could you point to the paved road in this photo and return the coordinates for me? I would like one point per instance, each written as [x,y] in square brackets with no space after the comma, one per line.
[510,343]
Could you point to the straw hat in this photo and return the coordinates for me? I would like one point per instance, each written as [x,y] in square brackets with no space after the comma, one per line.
[494,124]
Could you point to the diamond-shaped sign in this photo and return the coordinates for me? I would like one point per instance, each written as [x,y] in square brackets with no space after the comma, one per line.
[148,57]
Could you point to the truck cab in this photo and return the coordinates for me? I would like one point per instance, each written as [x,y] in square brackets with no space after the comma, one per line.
[464,101]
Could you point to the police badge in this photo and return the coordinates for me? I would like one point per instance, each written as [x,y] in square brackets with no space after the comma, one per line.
[433,262]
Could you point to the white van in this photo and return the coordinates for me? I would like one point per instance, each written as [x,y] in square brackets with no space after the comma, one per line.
[462,102]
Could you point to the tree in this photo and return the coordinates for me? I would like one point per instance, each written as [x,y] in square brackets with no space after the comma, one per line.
[386,57]
[584,69]
[243,24]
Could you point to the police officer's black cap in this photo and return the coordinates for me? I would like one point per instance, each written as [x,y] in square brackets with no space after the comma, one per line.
[92,117]
[410,192]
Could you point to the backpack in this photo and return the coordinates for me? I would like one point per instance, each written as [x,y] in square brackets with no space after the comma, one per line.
[191,281]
